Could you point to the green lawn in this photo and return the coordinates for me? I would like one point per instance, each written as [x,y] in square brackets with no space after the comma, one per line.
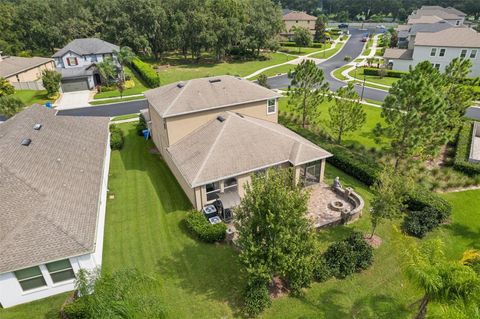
[116,100]
[139,87]
[338,72]
[47,308]
[125,117]
[276,70]
[303,50]
[329,53]
[373,78]
[30,97]
[181,70]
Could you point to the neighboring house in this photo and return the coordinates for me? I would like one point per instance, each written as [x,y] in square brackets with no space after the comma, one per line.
[76,62]
[214,133]
[436,13]
[24,73]
[406,36]
[294,19]
[440,48]
[53,183]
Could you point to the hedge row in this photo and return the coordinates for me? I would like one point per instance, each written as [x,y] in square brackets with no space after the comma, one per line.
[462,152]
[390,73]
[293,44]
[199,226]
[117,138]
[145,70]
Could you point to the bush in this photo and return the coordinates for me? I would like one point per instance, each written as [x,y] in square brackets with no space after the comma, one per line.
[321,270]
[148,74]
[199,226]
[256,298]
[129,84]
[418,223]
[462,152]
[106,88]
[421,198]
[75,310]
[389,73]
[116,137]
[362,250]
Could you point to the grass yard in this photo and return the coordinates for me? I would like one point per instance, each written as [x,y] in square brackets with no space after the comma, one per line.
[125,117]
[116,100]
[338,72]
[140,87]
[30,97]
[373,78]
[328,53]
[303,50]
[276,71]
[181,70]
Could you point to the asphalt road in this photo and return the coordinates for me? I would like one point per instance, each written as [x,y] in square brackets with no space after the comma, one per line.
[109,110]
[352,48]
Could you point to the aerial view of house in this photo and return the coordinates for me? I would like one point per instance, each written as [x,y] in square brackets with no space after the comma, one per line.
[76,62]
[54,173]
[24,73]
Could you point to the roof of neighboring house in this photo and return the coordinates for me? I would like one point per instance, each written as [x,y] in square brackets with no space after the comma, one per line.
[298,15]
[11,65]
[425,27]
[49,190]
[440,12]
[450,10]
[87,46]
[204,94]
[424,19]
[77,72]
[401,54]
[237,145]
[453,37]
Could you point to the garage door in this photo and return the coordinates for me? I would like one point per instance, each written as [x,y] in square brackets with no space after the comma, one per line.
[74,85]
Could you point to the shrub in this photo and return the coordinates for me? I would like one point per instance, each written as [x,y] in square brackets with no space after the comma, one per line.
[141,125]
[199,226]
[462,152]
[256,298]
[148,74]
[116,137]
[106,88]
[421,198]
[51,81]
[321,271]
[389,73]
[362,250]
[418,223]
[129,84]
[75,310]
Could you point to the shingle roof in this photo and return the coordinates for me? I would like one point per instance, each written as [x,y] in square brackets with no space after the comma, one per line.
[439,8]
[298,15]
[49,190]
[443,13]
[430,27]
[76,72]
[12,65]
[401,54]
[424,19]
[87,46]
[238,145]
[204,94]
[453,37]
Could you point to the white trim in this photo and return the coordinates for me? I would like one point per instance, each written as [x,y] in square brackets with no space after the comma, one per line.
[274,105]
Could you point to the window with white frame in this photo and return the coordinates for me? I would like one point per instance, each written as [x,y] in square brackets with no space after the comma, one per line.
[212,190]
[30,278]
[271,106]
[442,52]
[473,54]
[60,270]
[433,52]
[230,183]
[436,66]
[72,61]
[463,53]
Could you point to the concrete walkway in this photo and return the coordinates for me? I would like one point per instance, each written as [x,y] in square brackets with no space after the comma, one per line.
[300,58]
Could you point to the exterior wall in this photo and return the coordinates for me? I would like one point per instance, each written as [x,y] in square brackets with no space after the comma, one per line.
[11,293]
[83,61]
[182,125]
[32,74]
[400,65]
[309,24]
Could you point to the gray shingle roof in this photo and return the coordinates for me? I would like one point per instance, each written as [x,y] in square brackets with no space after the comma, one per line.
[453,37]
[50,190]
[401,54]
[87,46]
[12,65]
[239,144]
[204,94]
[298,15]
[77,72]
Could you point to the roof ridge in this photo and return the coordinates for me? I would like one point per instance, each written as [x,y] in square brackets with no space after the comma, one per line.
[177,97]
[210,151]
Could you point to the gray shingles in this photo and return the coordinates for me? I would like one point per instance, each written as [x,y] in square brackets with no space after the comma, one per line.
[87,46]
[13,64]
[50,190]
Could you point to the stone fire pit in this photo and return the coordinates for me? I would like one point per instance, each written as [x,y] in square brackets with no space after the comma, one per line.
[337,205]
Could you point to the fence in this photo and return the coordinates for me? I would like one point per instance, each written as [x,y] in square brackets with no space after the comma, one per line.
[30,85]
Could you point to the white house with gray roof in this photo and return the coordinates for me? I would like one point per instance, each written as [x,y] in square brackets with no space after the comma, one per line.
[76,62]
[436,13]
[53,183]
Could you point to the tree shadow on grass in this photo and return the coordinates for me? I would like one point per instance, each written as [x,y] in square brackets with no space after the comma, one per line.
[465,232]
[378,306]
[326,305]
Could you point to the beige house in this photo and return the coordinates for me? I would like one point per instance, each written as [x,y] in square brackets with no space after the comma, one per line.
[24,73]
[294,19]
[214,133]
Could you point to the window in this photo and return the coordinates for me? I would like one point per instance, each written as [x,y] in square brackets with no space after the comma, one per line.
[30,278]
[60,270]
[433,52]
[436,66]
[457,22]
[230,183]
[463,53]
[94,58]
[442,52]
[72,61]
[271,106]
[212,190]
[473,54]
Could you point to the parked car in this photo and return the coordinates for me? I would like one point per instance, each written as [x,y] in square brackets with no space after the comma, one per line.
[364,39]
[380,27]
[343,26]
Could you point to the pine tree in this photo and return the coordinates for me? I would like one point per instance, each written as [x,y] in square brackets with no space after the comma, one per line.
[320,30]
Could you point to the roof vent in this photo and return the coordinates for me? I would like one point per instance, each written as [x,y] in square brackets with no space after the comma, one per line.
[239,115]
[180,85]
[214,80]
[220,118]
[26,142]
[37,127]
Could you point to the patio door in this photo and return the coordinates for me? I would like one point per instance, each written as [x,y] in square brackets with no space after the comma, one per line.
[312,173]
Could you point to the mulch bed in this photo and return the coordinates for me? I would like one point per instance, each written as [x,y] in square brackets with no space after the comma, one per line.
[277,288]
[374,241]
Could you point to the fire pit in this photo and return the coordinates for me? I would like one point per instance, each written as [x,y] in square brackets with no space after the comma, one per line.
[337,205]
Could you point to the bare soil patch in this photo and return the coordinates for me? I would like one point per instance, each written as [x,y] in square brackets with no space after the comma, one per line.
[374,241]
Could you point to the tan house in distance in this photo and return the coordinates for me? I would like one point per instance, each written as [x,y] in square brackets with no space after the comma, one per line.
[297,19]
[214,133]
[24,73]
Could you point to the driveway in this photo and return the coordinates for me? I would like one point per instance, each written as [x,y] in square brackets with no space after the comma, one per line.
[75,99]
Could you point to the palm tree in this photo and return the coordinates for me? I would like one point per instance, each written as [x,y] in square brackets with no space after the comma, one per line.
[443,281]
[124,57]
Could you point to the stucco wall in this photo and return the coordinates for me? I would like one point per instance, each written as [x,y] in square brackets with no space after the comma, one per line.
[180,126]
[309,24]
[31,74]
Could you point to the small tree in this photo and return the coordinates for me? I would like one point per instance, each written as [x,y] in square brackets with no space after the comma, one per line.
[302,37]
[107,70]
[320,29]
[51,81]
[121,87]
[10,105]
[382,72]
[346,113]
[124,56]
[308,90]
[347,58]
[263,80]
[6,88]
